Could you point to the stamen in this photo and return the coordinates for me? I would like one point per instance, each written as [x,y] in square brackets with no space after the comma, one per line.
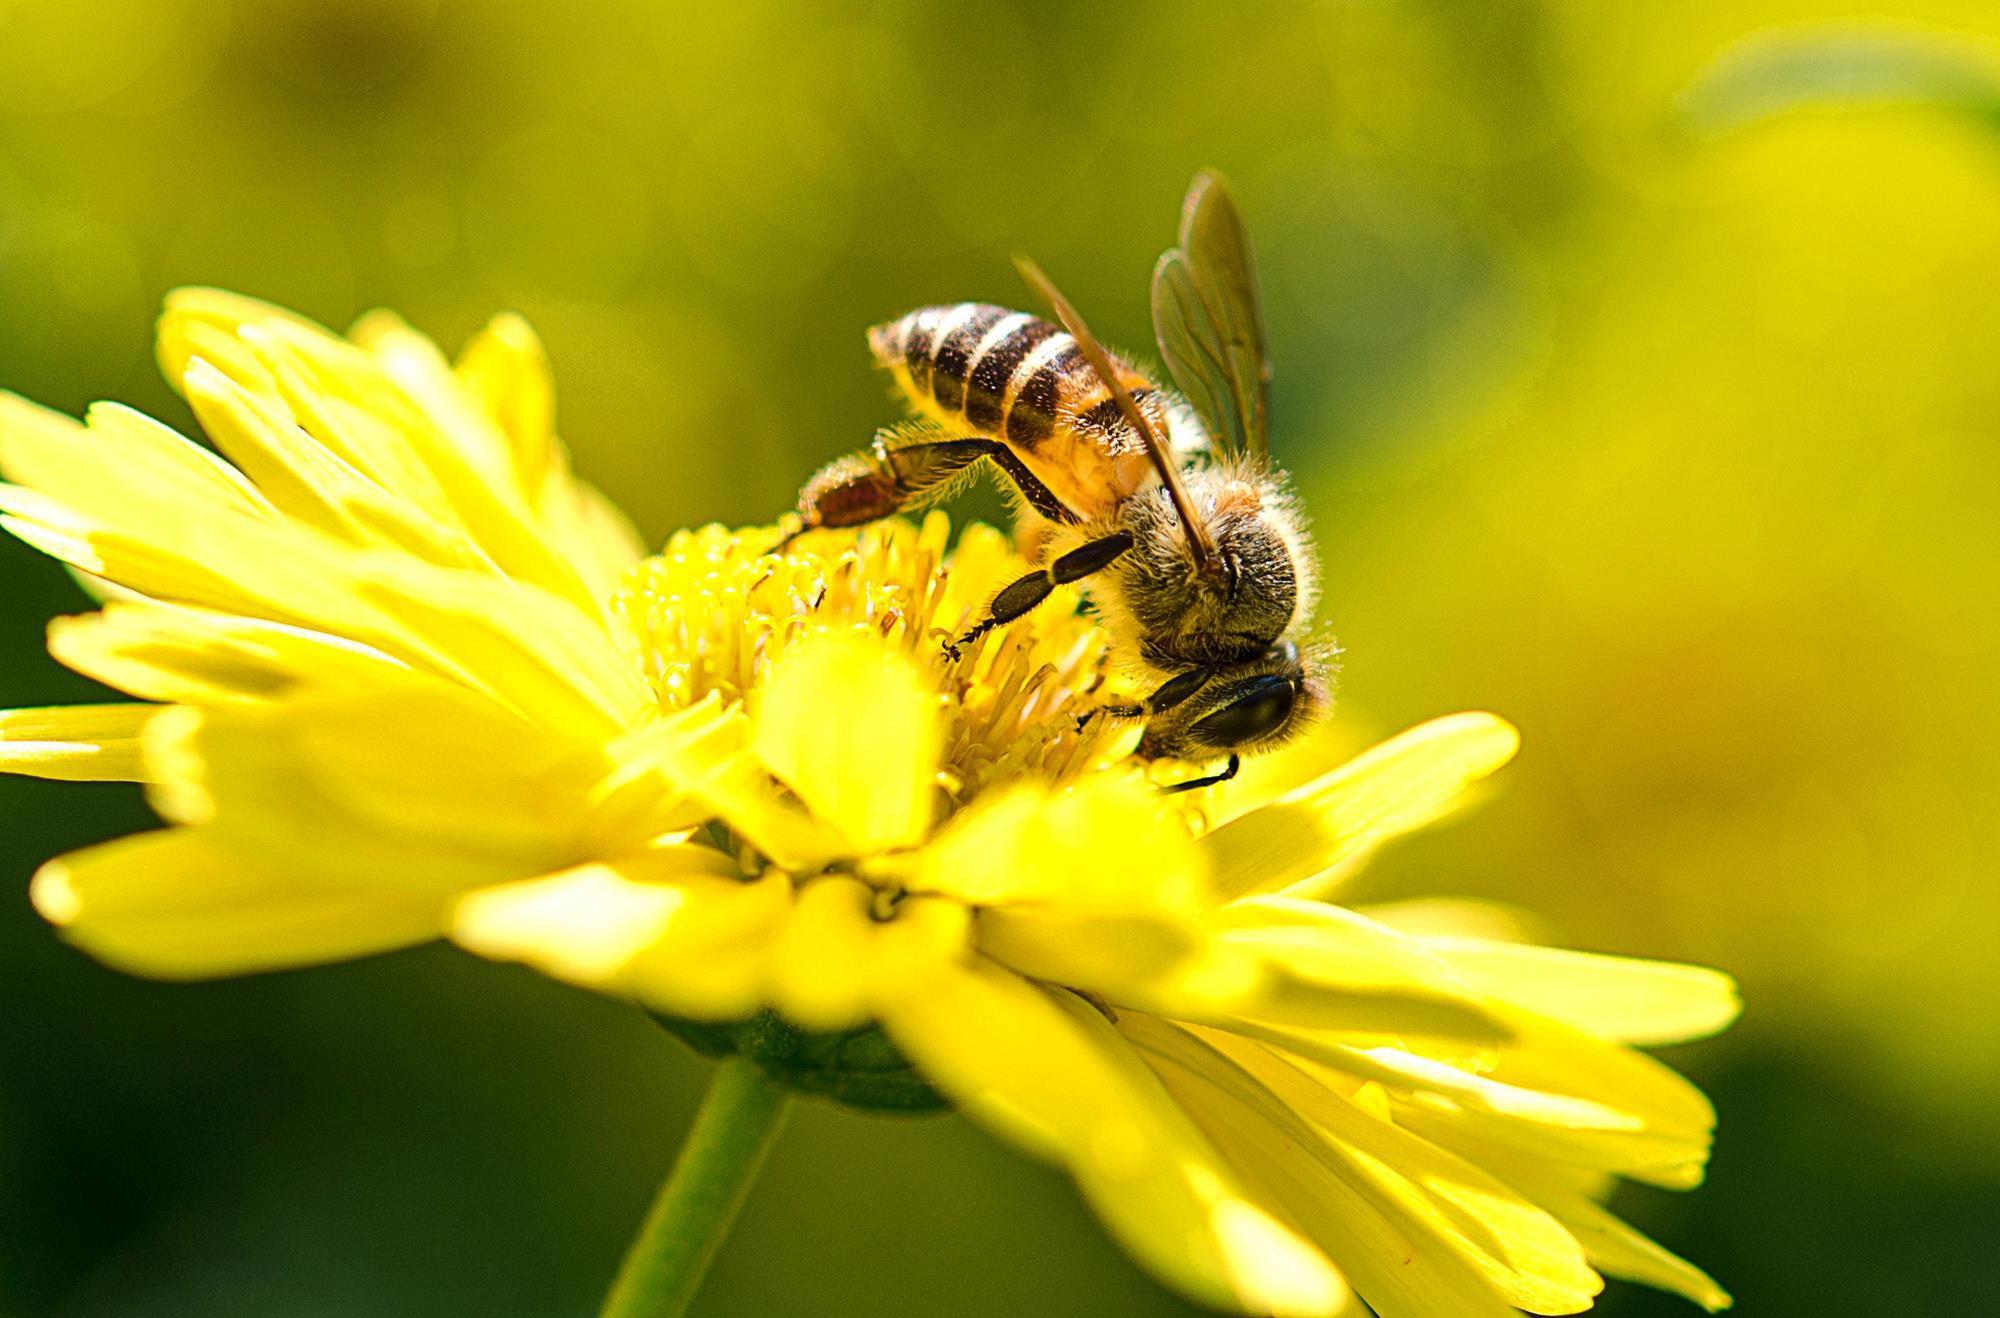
[714,610]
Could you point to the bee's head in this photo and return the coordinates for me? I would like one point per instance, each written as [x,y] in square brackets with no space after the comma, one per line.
[1245,707]
[1262,575]
[1258,586]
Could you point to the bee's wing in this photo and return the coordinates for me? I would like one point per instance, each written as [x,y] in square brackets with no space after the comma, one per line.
[1209,323]
[1157,448]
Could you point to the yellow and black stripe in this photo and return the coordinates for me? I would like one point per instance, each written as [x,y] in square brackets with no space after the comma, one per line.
[1009,375]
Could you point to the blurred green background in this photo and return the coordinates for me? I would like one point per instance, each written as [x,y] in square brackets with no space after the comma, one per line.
[1681,449]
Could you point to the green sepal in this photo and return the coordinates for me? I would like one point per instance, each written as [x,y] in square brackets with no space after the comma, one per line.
[858,1069]
[705,1037]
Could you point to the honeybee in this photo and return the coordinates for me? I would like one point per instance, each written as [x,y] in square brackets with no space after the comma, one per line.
[1166,511]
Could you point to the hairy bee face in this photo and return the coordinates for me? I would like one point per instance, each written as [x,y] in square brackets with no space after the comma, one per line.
[1261,587]
[1244,707]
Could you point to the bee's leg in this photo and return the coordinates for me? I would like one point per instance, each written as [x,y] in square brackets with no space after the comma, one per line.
[1109,711]
[877,482]
[1228,772]
[1170,693]
[1035,494]
[886,479]
[1024,593]
[1113,710]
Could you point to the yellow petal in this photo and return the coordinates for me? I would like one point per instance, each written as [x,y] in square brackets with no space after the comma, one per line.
[1401,1260]
[331,785]
[583,925]
[1116,954]
[1410,1072]
[926,934]
[537,652]
[542,655]
[704,753]
[1670,1147]
[1328,968]
[145,547]
[1525,1251]
[178,554]
[1672,1161]
[184,904]
[673,927]
[309,482]
[368,431]
[820,975]
[1518,1247]
[77,743]
[465,435]
[1097,886]
[594,534]
[1059,1082]
[1312,837]
[1614,1246]
[1158,963]
[505,373]
[472,458]
[1108,843]
[1458,917]
[837,964]
[189,310]
[852,726]
[1621,1250]
[120,465]
[172,653]
[392,411]
[1641,1002]
[1547,1054]
[150,552]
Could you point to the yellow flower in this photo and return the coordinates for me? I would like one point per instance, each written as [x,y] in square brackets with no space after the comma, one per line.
[400,676]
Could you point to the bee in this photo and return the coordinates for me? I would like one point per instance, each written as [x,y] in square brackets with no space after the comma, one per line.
[1165,510]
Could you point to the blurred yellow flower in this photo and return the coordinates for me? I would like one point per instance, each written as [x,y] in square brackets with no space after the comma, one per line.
[400,676]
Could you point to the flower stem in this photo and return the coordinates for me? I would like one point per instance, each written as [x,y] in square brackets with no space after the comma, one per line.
[732,1133]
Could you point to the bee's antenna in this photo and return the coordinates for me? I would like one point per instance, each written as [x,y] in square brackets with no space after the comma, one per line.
[1156,447]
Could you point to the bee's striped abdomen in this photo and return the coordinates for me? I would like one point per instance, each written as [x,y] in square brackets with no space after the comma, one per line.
[1010,376]
[1028,412]
[999,361]
[1003,371]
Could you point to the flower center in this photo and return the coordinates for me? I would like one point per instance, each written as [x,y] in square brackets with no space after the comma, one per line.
[714,610]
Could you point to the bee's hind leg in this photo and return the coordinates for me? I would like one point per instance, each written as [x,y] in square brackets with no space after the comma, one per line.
[1024,593]
[885,479]
[857,488]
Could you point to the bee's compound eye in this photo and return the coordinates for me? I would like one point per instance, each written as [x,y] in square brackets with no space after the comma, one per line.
[1256,709]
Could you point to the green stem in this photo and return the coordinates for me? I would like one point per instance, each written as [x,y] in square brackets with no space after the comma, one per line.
[735,1128]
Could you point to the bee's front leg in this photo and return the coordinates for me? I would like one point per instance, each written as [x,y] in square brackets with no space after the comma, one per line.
[1113,710]
[1024,593]
[1170,693]
[1222,775]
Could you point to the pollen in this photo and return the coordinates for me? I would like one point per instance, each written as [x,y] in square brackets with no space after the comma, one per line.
[716,609]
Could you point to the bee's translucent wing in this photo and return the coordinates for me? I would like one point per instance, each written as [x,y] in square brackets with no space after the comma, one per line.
[1157,448]
[1209,323]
